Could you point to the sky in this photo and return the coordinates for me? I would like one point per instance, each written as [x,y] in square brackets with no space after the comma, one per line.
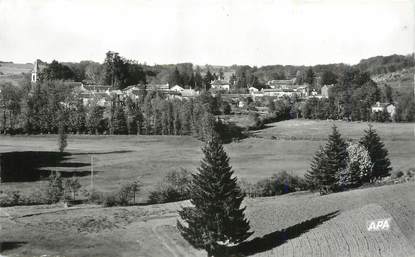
[226,32]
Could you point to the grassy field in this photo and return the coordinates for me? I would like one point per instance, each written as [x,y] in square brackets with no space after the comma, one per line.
[298,224]
[118,159]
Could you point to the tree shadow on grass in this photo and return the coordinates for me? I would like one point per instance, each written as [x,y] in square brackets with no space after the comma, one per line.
[98,153]
[277,238]
[70,174]
[5,246]
[33,165]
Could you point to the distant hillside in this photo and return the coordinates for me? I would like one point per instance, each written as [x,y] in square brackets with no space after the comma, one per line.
[402,80]
[386,64]
[10,68]
[386,69]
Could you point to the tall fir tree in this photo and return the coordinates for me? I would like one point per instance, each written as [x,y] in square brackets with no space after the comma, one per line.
[328,164]
[216,218]
[336,152]
[378,154]
[313,175]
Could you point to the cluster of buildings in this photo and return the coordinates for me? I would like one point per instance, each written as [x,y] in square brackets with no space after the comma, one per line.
[103,94]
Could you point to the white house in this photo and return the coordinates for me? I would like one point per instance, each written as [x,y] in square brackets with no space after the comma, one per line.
[325,90]
[160,87]
[94,88]
[302,90]
[252,90]
[177,88]
[380,107]
[278,92]
[189,93]
[220,85]
[281,83]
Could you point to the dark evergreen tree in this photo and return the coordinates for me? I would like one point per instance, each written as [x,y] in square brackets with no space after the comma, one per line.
[378,154]
[216,217]
[310,77]
[336,162]
[207,80]
[328,164]
[314,174]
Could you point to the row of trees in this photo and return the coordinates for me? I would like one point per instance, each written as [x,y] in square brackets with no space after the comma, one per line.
[52,106]
[340,165]
[116,71]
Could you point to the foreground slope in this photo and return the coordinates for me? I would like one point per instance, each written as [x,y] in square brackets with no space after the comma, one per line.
[300,224]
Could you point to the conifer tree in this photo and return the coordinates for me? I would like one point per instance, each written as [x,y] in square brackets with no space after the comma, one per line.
[313,175]
[336,162]
[328,165]
[54,191]
[216,218]
[378,154]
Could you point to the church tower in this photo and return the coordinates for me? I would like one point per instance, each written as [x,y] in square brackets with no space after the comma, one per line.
[35,72]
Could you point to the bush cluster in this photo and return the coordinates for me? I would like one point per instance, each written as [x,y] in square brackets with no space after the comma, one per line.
[173,187]
[124,196]
[14,198]
[277,184]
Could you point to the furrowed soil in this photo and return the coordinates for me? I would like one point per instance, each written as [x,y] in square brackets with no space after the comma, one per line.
[297,224]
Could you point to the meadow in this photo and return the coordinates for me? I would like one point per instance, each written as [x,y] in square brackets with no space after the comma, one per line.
[287,145]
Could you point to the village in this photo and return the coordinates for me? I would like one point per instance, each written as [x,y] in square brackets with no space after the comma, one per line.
[102,95]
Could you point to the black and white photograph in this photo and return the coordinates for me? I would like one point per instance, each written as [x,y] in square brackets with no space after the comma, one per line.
[218,128]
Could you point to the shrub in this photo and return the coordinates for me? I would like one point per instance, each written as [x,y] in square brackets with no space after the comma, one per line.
[54,192]
[173,187]
[255,121]
[397,174]
[122,197]
[110,200]
[72,186]
[247,187]
[278,184]
[10,198]
[226,107]
[13,198]
[95,196]
[264,187]
[36,197]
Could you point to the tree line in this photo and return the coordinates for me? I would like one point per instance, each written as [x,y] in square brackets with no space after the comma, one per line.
[50,106]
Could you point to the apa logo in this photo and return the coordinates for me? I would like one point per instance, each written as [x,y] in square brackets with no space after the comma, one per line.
[379,225]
